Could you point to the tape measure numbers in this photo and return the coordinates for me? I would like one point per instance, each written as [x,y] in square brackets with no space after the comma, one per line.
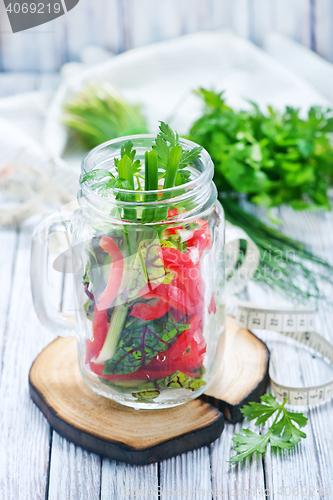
[297,324]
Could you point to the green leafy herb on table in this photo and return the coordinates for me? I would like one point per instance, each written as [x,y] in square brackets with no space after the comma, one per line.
[100,113]
[274,158]
[283,433]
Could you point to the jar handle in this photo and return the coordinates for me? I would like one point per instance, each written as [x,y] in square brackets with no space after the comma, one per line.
[56,321]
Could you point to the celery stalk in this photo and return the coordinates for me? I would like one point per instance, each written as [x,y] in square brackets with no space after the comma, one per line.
[112,339]
[151,183]
[172,166]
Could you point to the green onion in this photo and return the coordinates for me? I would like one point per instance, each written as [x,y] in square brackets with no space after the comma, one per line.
[112,339]
[172,166]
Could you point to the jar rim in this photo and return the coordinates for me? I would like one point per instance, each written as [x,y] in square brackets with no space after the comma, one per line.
[200,180]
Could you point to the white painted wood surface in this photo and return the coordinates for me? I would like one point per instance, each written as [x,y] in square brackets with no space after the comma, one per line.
[36,463]
[120,25]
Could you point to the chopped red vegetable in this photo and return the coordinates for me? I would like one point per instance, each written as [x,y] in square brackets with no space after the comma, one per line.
[201,238]
[174,296]
[100,330]
[108,295]
[183,268]
[155,308]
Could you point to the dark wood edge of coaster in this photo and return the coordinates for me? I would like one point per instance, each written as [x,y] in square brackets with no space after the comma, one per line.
[231,412]
[124,453]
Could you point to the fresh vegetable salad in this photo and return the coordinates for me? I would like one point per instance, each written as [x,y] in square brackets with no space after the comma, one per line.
[148,293]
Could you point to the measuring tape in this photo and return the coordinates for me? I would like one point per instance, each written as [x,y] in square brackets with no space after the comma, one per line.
[297,324]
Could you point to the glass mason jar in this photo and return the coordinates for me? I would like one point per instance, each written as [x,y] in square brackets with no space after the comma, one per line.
[149,283]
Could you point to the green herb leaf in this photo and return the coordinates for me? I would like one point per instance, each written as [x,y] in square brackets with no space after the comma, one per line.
[150,390]
[282,433]
[168,134]
[187,157]
[181,381]
[96,175]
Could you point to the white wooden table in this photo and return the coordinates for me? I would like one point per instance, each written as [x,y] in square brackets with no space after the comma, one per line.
[37,464]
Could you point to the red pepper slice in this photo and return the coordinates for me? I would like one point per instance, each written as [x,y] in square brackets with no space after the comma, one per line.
[174,296]
[108,295]
[188,273]
[155,308]
[201,239]
[100,330]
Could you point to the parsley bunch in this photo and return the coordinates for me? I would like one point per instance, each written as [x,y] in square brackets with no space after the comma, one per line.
[283,432]
[274,158]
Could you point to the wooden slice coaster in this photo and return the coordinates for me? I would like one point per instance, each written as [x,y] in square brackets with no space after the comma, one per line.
[243,373]
[107,428]
[144,436]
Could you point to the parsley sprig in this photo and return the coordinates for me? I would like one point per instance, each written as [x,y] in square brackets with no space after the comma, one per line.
[167,160]
[172,158]
[281,434]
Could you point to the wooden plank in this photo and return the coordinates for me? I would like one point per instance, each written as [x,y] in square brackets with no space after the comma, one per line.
[320,241]
[89,23]
[24,437]
[240,17]
[220,12]
[292,18]
[8,249]
[235,481]
[289,17]
[127,482]
[297,467]
[303,467]
[75,473]
[204,15]
[37,49]
[149,22]
[261,20]
[324,28]
[186,476]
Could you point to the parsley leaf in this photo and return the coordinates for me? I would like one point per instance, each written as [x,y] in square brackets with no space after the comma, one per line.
[96,175]
[281,434]
[168,134]
[187,157]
